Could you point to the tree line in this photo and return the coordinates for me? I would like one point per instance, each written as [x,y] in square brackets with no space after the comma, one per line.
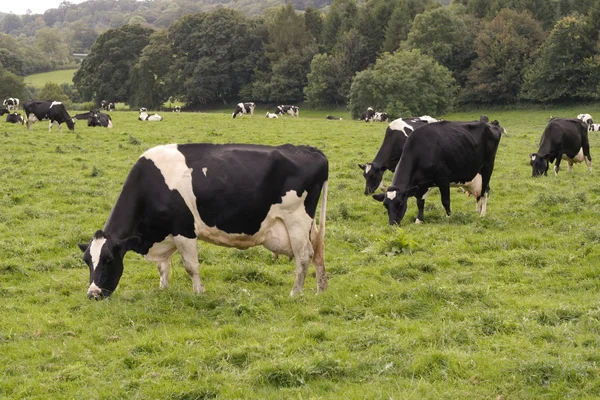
[406,57]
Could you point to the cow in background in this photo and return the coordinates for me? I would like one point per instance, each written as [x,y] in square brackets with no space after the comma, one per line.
[563,139]
[390,150]
[15,118]
[594,127]
[54,111]
[443,154]
[333,118]
[107,106]
[243,108]
[587,118]
[177,109]
[144,116]
[99,119]
[293,111]
[271,115]
[12,103]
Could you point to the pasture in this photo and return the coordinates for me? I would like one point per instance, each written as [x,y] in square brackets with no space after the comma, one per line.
[501,307]
[60,76]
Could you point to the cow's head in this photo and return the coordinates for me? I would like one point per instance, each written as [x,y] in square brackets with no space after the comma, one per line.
[539,164]
[104,256]
[373,174]
[70,123]
[395,202]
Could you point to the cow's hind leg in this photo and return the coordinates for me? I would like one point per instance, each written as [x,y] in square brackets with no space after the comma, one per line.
[163,269]
[188,248]
[319,260]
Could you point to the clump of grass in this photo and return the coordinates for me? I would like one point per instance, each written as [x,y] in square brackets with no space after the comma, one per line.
[134,141]
[398,242]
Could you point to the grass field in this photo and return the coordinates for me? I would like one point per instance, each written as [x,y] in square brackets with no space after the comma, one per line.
[501,307]
[61,76]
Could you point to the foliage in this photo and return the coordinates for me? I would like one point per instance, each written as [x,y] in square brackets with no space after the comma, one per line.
[568,65]
[506,47]
[447,35]
[402,84]
[54,92]
[214,56]
[105,74]
[12,85]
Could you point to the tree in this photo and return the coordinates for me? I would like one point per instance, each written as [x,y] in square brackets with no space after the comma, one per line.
[404,84]
[322,82]
[53,91]
[12,85]
[214,56]
[505,48]
[105,73]
[566,68]
[342,17]
[313,22]
[447,34]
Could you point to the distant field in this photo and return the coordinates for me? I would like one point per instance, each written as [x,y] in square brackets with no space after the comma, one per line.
[39,80]
[501,307]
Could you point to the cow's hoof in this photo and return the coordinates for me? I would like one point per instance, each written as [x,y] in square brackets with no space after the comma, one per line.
[418,221]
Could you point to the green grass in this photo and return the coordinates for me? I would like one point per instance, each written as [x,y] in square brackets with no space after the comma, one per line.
[61,76]
[461,307]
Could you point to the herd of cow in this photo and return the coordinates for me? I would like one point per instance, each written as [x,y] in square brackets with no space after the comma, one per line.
[176,194]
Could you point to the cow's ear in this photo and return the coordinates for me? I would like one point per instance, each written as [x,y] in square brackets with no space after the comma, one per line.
[83,246]
[362,166]
[495,122]
[379,196]
[131,243]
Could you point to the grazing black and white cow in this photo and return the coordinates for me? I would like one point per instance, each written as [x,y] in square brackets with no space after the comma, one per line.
[587,118]
[97,118]
[15,118]
[390,150]
[107,105]
[55,111]
[563,139]
[293,111]
[177,109]
[443,154]
[12,103]
[271,115]
[233,195]
[333,118]
[243,108]
[144,116]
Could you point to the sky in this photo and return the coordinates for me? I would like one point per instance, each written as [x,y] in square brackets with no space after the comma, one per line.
[20,7]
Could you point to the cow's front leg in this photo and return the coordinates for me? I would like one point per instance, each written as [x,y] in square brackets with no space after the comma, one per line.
[188,248]
[570,167]
[163,269]
[445,193]
[421,208]
[50,127]
[557,164]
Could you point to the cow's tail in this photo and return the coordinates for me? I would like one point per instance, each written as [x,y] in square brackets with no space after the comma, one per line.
[318,243]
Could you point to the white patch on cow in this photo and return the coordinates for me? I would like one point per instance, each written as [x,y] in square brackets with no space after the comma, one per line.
[391,195]
[400,125]
[533,157]
[368,168]
[474,187]
[95,250]
[428,119]
[161,251]
[577,159]
[171,163]
[154,117]
[32,118]
[204,170]
[55,103]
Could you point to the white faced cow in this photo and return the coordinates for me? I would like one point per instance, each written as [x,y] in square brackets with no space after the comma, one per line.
[587,118]
[15,118]
[12,103]
[234,195]
[390,150]
[443,154]
[54,111]
[243,108]
[292,111]
[563,139]
[144,116]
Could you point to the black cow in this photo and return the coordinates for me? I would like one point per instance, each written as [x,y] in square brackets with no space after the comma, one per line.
[15,118]
[12,103]
[4,111]
[55,111]
[390,150]
[99,119]
[107,105]
[293,111]
[234,195]
[333,118]
[243,108]
[563,139]
[443,154]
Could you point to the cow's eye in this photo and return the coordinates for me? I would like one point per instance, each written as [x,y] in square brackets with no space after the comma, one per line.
[108,260]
